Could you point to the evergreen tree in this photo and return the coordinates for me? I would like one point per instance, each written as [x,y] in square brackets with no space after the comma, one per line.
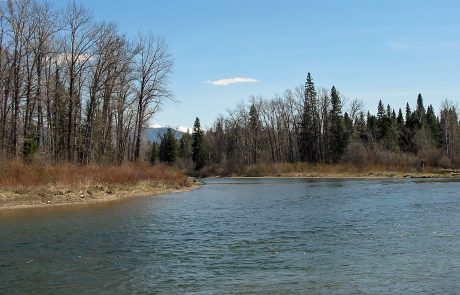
[420,112]
[433,125]
[400,119]
[383,121]
[372,129]
[29,149]
[409,120]
[168,147]
[198,155]
[348,123]
[394,119]
[310,127]
[391,140]
[407,138]
[401,129]
[338,136]
[361,126]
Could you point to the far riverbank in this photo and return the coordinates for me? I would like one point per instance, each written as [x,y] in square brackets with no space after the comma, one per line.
[304,170]
[380,175]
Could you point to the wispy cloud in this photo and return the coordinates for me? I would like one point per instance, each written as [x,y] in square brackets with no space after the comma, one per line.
[66,57]
[230,81]
[184,129]
[399,45]
[178,128]
[427,45]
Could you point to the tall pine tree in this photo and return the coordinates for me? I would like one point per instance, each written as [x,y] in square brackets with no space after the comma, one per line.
[432,123]
[198,155]
[420,112]
[407,139]
[383,121]
[310,127]
[338,136]
[168,147]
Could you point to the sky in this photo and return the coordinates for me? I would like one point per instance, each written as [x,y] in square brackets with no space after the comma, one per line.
[226,51]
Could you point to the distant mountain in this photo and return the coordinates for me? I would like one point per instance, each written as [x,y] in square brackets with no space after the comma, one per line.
[155,134]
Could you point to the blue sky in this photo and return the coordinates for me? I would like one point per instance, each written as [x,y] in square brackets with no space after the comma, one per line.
[368,49]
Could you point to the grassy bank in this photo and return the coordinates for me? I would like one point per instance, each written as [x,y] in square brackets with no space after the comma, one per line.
[23,185]
[331,171]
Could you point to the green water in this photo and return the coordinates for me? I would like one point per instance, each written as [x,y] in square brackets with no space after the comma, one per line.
[281,236]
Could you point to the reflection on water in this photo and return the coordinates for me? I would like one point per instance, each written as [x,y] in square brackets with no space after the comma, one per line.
[243,236]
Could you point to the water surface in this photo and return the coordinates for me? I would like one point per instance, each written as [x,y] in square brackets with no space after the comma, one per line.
[263,236]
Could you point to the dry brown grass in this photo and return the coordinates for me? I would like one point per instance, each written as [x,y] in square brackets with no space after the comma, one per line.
[336,170]
[14,174]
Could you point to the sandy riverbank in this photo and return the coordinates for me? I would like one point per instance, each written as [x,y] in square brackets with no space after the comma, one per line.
[38,185]
[59,195]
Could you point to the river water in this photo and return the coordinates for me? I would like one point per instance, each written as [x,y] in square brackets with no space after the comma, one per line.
[243,236]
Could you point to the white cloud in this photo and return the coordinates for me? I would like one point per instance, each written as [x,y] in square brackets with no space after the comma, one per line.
[398,45]
[66,57]
[184,129]
[229,81]
[178,128]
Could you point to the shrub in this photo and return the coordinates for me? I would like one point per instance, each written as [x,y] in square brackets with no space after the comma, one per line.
[435,158]
[19,174]
[356,154]
[258,170]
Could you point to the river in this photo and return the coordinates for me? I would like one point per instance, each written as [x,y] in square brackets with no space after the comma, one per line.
[243,236]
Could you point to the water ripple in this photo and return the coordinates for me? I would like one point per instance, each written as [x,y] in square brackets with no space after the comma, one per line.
[265,236]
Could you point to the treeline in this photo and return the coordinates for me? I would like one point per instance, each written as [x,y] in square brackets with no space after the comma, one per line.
[314,125]
[73,89]
[188,153]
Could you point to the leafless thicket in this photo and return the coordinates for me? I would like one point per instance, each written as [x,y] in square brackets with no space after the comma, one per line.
[72,89]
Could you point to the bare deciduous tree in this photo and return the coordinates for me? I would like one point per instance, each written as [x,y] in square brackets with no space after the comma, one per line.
[152,67]
[74,89]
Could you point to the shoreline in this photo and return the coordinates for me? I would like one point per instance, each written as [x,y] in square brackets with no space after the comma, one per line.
[87,194]
[47,197]
[329,171]
[339,177]
[377,175]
